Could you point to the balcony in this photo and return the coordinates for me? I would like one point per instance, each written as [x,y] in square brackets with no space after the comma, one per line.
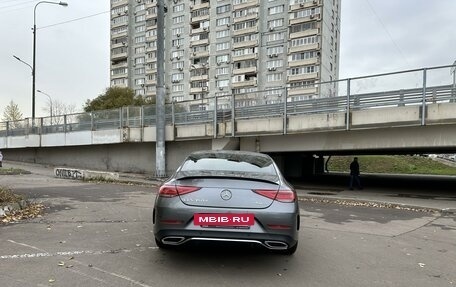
[245,18]
[249,83]
[299,6]
[315,17]
[310,47]
[310,76]
[119,56]
[123,64]
[248,70]
[197,6]
[302,91]
[119,3]
[306,62]
[199,54]
[250,30]
[247,4]
[245,44]
[199,42]
[252,56]
[305,33]
[199,77]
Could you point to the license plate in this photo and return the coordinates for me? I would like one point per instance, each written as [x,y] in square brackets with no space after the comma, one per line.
[224,219]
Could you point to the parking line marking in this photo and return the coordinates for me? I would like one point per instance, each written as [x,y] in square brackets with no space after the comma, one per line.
[44,253]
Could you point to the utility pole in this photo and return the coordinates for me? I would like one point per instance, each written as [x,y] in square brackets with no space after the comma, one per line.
[160,151]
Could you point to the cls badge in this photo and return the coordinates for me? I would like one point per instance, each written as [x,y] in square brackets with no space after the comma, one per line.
[226,194]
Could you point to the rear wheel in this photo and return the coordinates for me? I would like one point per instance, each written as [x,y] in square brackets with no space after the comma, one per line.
[290,251]
[160,244]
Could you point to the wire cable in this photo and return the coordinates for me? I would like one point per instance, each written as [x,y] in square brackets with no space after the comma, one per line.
[72,20]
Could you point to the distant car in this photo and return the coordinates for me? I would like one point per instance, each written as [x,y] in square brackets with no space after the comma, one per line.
[227,196]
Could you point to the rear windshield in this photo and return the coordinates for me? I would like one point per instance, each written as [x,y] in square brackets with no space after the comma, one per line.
[227,164]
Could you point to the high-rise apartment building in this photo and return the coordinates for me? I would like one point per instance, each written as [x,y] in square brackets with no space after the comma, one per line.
[222,47]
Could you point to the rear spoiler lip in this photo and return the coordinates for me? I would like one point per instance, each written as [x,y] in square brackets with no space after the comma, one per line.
[277,182]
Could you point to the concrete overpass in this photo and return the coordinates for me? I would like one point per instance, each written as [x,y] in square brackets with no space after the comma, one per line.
[390,121]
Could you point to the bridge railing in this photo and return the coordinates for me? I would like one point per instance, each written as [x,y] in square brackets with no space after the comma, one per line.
[419,87]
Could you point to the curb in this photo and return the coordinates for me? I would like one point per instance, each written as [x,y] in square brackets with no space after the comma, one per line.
[375,203]
[82,174]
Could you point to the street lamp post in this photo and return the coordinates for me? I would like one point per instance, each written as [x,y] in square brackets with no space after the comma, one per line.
[34,50]
[50,102]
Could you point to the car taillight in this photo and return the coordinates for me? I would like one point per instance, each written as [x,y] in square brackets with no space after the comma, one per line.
[175,190]
[283,195]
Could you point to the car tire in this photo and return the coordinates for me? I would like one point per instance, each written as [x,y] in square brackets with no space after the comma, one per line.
[291,250]
[160,244]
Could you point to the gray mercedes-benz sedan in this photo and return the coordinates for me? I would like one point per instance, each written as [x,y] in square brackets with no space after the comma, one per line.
[227,196]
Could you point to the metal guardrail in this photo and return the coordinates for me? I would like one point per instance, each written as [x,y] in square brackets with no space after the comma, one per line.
[330,97]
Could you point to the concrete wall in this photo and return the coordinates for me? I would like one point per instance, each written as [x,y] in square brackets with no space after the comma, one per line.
[123,157]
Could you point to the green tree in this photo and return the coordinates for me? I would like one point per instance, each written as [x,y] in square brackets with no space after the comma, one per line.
[12,113]
[115,97]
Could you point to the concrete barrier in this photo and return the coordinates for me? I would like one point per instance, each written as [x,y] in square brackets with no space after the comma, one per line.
[73,173]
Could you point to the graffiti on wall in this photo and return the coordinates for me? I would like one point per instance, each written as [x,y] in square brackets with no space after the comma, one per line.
[68,173]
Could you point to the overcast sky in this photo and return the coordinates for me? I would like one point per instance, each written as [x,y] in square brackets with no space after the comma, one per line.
[73,58]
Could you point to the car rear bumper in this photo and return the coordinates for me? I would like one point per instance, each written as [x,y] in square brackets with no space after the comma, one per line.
[270,241]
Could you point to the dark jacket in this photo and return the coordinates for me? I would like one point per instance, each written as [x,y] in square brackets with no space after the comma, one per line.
[354,168]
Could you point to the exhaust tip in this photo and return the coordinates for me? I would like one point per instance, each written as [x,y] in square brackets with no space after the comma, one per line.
[173,240]
[276,245]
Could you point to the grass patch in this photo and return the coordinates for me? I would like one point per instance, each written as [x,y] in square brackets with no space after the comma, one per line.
[402,164]
[13,171]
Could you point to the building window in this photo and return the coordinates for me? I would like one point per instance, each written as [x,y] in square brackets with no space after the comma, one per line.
[222,34]
[274,64]
[274,77]
[245,25]
[140,50]
[178,8]
[245,12]
[177,77]
[275,23]
[304,41]
[178,98]
[223,9]
[140,60]
[223,46]
[222,71]
[223,21]
[302,56]
[177,42]
[245,38]
[303,27]
[178,30]
[177,54]
[222,58]
[177,88]
[275,10]
[119,30]
[140,71]
[119,20]
[178,19]
[140,39]
[140,82]
[178,65]
[276,36]
[140,18]
[305,13]
[140,7]
[222,83]
[302,70]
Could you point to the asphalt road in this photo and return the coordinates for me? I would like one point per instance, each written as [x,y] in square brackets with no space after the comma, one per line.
[101,235]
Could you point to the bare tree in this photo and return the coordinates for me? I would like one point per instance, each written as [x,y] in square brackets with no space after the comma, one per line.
[12,114]
[59,109]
